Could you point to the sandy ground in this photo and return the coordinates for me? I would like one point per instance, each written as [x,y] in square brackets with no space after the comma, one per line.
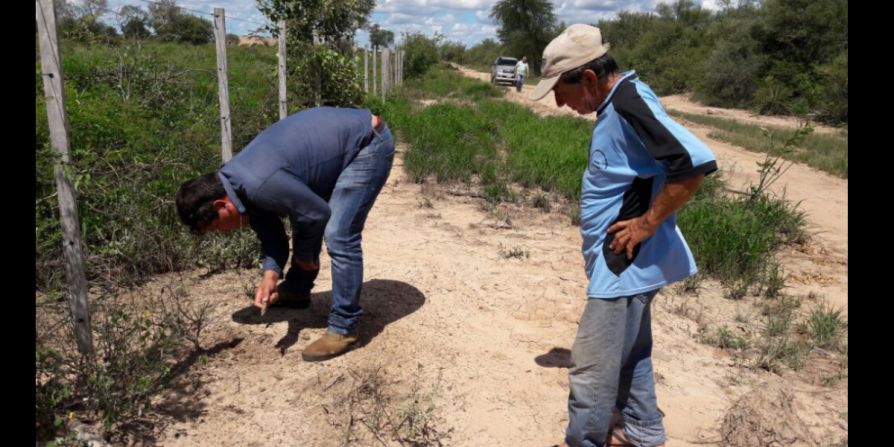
[453,320]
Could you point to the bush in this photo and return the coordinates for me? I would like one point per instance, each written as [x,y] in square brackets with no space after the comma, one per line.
[324,70]
[421,52]
[141,124]
[484,53]
[185,28]
[138,348]
[453,52]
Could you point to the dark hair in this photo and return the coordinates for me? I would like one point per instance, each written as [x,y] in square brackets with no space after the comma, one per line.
[603,66]
[195,201]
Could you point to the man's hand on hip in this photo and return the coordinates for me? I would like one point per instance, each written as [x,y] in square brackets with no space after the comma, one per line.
[629,233]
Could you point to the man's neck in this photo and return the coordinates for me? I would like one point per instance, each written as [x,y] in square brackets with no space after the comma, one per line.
[612,80]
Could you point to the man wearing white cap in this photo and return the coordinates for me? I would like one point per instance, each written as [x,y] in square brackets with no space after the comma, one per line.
[642,167]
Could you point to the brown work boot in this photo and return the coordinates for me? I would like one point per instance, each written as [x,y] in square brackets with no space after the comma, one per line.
[328,346]
[292,300]
[617,438]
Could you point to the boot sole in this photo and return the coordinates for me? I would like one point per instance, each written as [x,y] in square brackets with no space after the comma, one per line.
[321,357]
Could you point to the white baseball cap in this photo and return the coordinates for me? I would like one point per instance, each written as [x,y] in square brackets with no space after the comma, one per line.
[576,46]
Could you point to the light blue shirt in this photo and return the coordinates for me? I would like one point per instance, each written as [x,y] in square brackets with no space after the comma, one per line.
[635,148]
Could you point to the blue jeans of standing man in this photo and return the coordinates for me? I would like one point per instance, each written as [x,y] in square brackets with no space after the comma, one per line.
[519,82]
[612,368]
[353,197]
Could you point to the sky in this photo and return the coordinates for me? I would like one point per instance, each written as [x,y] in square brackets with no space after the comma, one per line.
[464,21]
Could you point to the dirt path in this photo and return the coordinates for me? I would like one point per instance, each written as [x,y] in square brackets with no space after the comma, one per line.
[683,103]
[443,299]
[820,268]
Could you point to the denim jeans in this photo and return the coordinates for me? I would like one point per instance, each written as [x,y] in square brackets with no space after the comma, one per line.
[355,192]
[612,368]
[519,82]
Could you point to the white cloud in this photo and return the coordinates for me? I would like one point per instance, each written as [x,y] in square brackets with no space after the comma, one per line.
[712,5]
[396,5]
[591,11]
[465,21]
[459,4]
[400,19]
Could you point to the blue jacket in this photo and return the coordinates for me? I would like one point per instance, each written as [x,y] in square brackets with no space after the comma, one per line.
[290,170]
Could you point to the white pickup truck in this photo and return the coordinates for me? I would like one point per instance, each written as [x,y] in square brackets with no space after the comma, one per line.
[503,70]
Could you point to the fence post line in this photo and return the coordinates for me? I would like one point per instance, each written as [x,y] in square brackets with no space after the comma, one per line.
[281,56]
[386,71]
[356,56]
[54,92]
[226,132]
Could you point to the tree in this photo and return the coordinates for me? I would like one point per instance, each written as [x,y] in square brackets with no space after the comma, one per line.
[187,28]
[668,48]
[483,53]
[327,21]
[64,10]
[91,8]
[134,22]
[624,34]
[685,12]
[733,66]
[318,45]
[420,53]
[803,40]
[832,105]
[162,13]
[525,27]
[380,37]
[135,29]
[171,24]
[80,21]
[805,31]
[453,51]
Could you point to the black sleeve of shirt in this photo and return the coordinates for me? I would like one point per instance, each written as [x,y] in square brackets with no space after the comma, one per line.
[657,138]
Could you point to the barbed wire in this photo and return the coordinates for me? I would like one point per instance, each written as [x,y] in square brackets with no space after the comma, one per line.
[229,17]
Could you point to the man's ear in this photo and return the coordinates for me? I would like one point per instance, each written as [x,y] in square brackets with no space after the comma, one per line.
[589,80]
[590,76]
[219,203]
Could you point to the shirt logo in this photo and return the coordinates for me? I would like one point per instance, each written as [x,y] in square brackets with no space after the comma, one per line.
[598,159]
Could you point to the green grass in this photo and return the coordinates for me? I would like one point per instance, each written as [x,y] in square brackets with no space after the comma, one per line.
[470,134]
[733,238]
[825,152]
[444,83]
[468,138]
[724,338]
[549,153]
[826,326]
[451,143]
